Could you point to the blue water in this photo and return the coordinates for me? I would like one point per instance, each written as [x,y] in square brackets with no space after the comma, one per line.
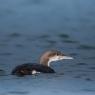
[30,27]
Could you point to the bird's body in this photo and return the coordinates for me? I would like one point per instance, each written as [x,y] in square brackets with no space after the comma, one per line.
[29,68]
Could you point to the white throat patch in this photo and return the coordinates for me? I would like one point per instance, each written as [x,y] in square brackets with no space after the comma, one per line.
[57,58]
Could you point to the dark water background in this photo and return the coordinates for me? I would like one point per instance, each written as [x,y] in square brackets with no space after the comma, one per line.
[29,27]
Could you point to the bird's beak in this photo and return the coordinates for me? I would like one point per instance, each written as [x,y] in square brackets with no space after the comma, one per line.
[67,57]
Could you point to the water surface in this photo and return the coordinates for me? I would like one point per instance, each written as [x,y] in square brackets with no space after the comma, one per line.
[30,27]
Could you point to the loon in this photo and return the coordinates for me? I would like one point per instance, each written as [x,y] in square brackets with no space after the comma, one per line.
[43,66]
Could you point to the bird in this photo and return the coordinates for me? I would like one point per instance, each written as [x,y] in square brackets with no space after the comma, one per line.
[43,66]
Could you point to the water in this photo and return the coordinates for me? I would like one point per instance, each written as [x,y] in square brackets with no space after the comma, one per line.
[29,27]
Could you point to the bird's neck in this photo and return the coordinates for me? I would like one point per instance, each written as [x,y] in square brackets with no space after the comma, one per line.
[45,61]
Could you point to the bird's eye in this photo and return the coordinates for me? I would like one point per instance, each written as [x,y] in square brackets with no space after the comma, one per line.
[58,53]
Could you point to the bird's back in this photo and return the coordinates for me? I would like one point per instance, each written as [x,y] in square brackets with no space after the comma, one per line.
[26,69]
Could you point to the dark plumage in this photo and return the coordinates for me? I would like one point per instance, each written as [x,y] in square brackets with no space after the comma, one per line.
[26,69]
